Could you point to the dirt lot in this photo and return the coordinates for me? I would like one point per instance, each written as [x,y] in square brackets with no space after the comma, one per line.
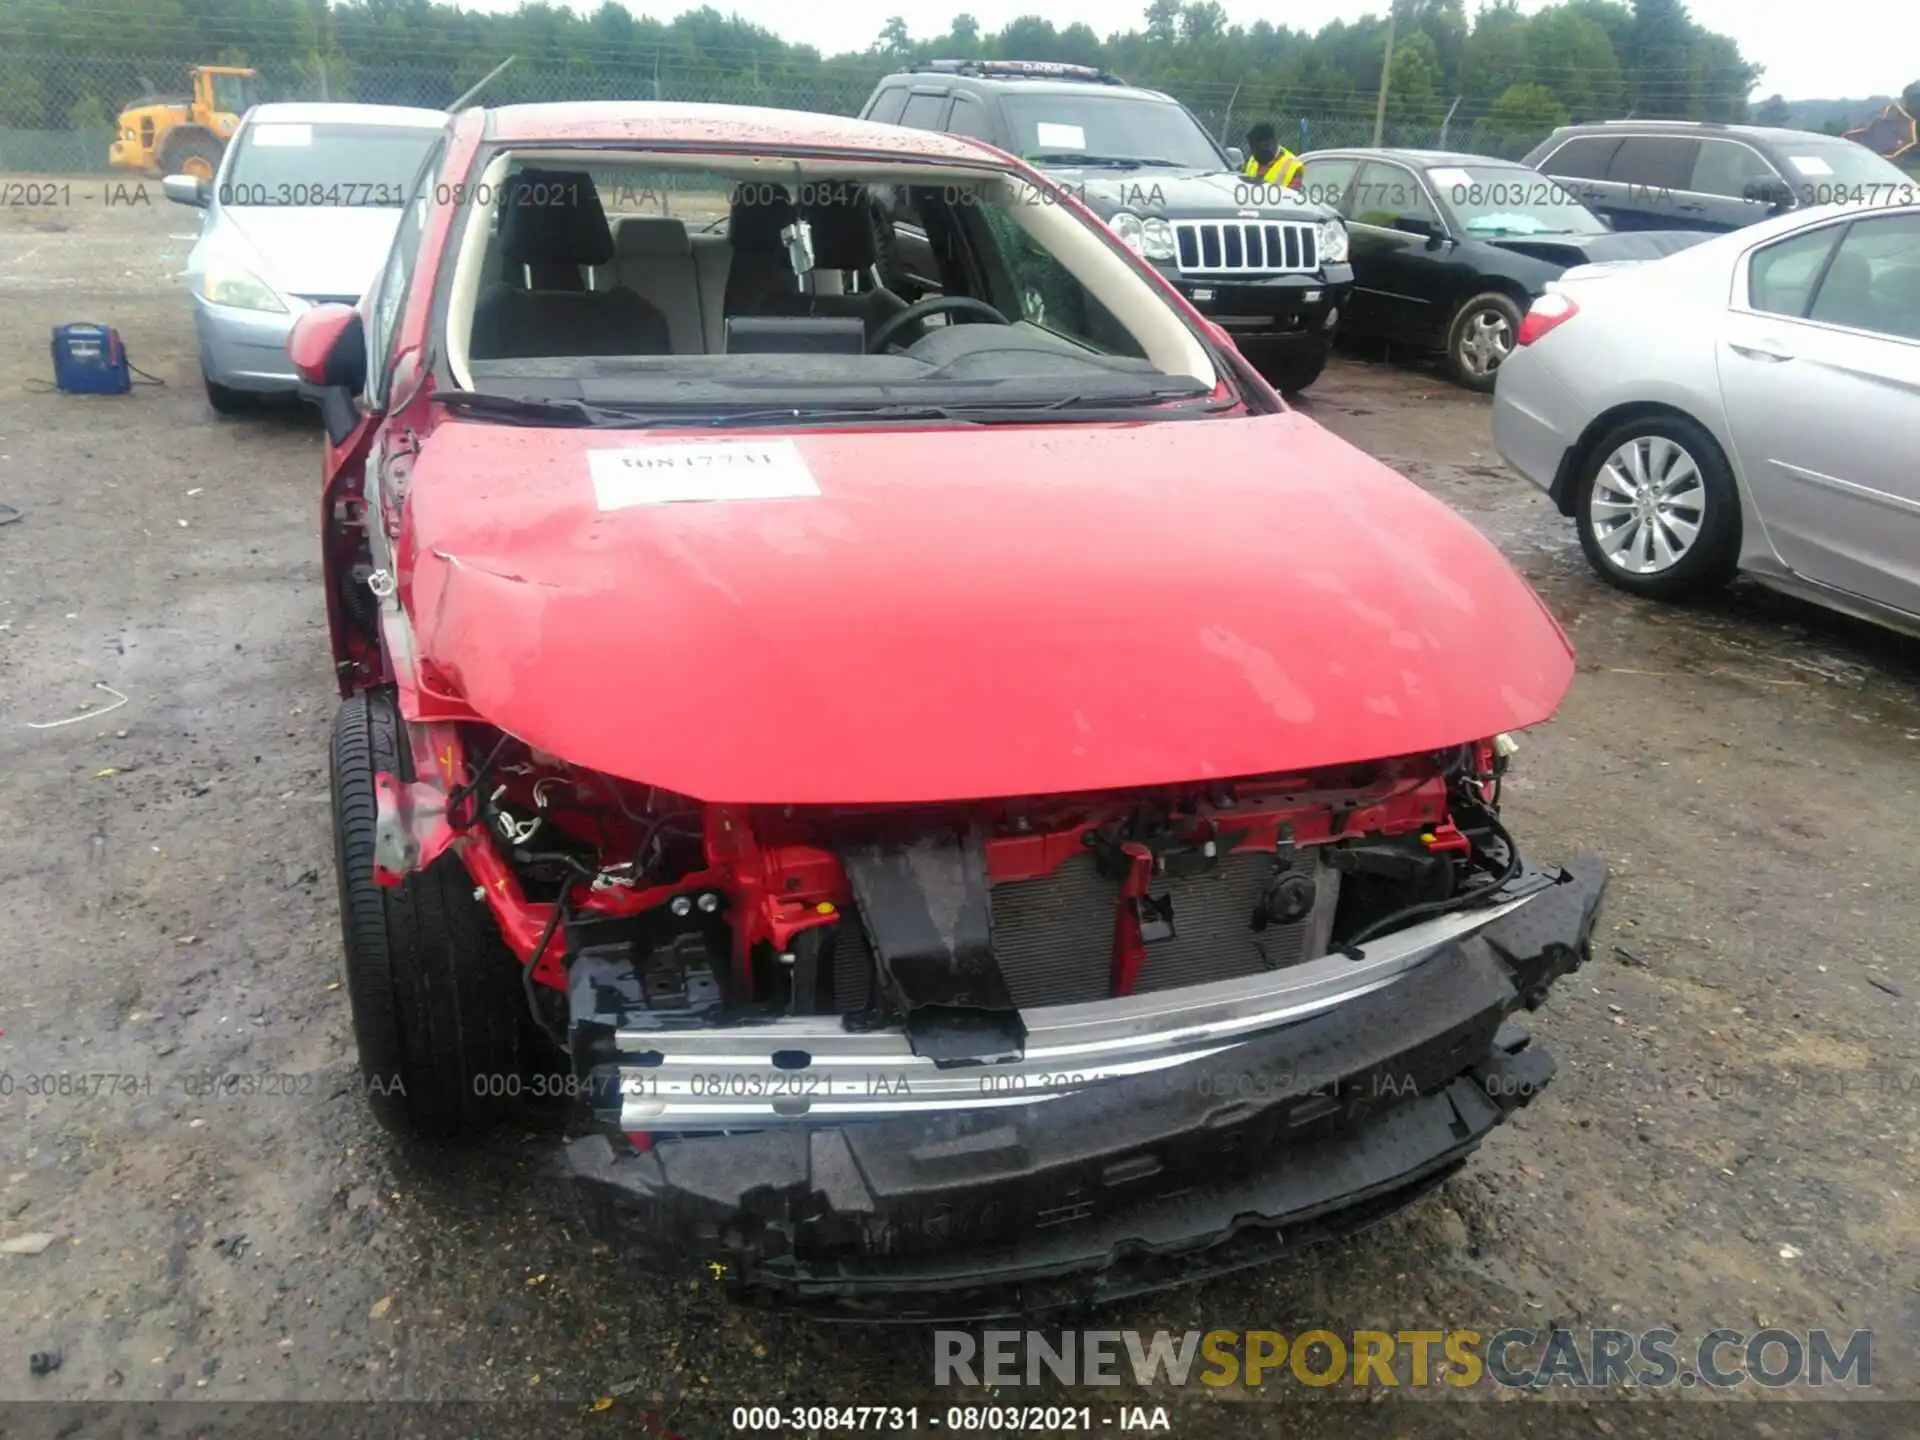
[1730,1142]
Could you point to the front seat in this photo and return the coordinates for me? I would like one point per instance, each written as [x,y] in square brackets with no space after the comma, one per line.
[760,279]
[552,227]
[844,240]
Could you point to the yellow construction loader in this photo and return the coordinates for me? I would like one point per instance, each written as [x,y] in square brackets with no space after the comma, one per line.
[174,135]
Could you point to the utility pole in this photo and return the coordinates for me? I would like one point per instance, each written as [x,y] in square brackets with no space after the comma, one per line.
[1386,72]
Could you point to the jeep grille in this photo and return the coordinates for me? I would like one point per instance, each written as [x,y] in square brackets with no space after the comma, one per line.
[1244,247]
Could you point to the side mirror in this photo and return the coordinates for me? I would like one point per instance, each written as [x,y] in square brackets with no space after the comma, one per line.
[328,347]
[1417,225]
[187,190]
[1237,156]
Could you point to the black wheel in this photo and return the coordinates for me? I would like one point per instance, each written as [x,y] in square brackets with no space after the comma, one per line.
[437,1000]
[226,400]
[1290,374]
[1482,335]
[1658,510]
[190,152]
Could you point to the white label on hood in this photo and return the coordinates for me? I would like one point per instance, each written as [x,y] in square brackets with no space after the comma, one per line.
[1060,137]
[275,134]
[729,470]
[1810,165]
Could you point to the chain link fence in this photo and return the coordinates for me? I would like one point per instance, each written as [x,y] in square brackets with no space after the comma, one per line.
[57,111]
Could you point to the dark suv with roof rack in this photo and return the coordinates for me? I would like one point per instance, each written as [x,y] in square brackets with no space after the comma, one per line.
[1693,175]
[1261,261]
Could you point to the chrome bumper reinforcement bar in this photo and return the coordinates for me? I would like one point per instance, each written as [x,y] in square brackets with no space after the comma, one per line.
[809,1070]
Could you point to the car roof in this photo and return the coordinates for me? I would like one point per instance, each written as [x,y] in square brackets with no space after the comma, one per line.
[1018,85]
[1771,134]
[678,123]
[343,112]
[1421,158]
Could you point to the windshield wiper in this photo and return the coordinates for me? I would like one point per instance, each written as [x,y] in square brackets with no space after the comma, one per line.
[515,411]
[987,411]
[641,415]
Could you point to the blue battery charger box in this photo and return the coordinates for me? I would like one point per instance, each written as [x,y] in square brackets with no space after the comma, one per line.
[89,359]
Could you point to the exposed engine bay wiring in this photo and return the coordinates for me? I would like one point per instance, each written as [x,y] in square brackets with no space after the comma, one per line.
[1465,900]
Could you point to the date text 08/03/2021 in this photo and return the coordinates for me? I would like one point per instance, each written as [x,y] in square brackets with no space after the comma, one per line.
[954,1419]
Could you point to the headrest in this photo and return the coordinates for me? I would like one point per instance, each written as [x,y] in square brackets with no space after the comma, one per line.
[652,235]
[553,217]
[760,212]
[843,229]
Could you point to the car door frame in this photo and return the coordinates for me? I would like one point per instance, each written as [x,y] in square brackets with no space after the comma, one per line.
[1721,213]
[1639,204]
[1596,192]
[359,516]
[1760,480]
[1384,309]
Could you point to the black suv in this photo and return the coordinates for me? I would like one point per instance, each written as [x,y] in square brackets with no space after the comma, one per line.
[1690,175]
[1261,261]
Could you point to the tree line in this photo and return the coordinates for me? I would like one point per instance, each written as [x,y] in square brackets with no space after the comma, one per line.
[67,63]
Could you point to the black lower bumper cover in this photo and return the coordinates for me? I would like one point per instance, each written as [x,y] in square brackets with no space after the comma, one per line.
[1311,1131]
[1274,312]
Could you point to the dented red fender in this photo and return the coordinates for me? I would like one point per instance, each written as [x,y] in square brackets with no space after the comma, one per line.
[959,613]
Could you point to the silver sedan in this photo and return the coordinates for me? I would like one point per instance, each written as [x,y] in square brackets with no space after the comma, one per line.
[1752,404]
[302,211]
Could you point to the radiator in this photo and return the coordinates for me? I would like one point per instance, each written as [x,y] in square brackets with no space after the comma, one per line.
[1054,935]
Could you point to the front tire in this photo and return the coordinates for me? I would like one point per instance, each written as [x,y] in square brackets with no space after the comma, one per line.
[435,992]
[1658,510]
[191,152]
[1290,374]
[1479,339]
[224,399]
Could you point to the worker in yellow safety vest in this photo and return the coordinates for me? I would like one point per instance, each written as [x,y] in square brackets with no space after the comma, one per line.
[1269,163]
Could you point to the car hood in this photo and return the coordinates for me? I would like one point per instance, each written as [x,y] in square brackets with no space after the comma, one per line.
[1611,247]
[333,251]
[958,614]
[1182,194]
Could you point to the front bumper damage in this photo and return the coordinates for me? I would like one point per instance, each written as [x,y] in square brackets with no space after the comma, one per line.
[1241,1146]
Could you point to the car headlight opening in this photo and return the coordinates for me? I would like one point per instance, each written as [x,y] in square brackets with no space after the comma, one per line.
[1156,239]
[226,283]
[1333,242]
[1127,226]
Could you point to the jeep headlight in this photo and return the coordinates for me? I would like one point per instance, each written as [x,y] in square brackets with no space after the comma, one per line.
[1333,242]
[1127,226]
[1156,239]
[226,283]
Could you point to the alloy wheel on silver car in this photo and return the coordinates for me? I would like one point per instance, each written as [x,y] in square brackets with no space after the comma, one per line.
[1648,503]
[1486,340]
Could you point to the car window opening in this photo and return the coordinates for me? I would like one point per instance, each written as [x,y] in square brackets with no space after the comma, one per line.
[653,280]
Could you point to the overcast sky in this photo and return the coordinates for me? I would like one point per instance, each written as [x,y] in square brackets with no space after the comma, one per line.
[1838,49]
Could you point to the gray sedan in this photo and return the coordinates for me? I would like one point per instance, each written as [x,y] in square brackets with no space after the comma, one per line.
[302,211]
[1752,404]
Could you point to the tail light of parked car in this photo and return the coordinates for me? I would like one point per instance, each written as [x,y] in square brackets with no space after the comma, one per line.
[1549,313]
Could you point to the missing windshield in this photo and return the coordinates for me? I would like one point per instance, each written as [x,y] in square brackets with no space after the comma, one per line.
[662,283]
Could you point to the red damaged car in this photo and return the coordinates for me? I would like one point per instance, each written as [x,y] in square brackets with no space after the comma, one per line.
[848,674]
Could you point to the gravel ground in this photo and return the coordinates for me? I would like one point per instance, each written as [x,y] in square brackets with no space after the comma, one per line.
[1729,1143]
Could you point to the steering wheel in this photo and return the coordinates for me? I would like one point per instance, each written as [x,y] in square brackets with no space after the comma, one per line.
[932,305]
